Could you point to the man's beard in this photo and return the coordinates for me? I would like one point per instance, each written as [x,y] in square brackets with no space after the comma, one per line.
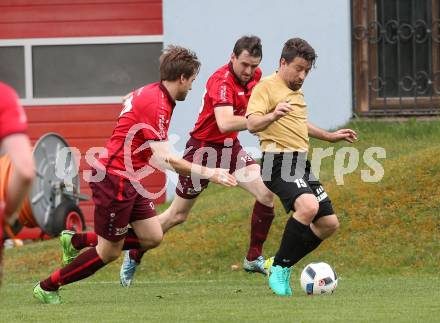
[295,86]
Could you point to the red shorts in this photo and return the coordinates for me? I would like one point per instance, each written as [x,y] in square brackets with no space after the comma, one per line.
[117,203]
[211,155]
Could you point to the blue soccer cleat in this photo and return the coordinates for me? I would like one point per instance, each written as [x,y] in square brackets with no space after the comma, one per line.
[279,280]
[288,288]
[128,268]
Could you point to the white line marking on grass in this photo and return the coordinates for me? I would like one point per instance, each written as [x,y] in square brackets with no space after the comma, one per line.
[157,282]
[162,282]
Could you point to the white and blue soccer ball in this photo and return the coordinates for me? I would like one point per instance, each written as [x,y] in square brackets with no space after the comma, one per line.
[319,278]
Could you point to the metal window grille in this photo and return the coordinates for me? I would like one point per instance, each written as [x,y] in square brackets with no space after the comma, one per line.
[396,57]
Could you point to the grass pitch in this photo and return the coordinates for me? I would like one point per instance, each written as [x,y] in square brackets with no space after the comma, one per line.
[238,297]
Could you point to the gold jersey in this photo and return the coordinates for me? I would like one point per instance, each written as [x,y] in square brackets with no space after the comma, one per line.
[289,133]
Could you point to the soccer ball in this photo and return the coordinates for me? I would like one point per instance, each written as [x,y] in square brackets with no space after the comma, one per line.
[318,278]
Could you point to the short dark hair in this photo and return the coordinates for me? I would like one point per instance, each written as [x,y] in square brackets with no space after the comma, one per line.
[297,47]
[250,43]
[176,61]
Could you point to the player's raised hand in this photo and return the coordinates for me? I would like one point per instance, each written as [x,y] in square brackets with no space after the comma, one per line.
[221,176]
[343,134]
[281,110]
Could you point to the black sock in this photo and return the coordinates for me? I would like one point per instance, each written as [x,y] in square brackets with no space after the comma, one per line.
[291,243]
[311,241]
[298,240]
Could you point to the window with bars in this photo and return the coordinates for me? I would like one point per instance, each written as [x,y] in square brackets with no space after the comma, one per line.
[396,56]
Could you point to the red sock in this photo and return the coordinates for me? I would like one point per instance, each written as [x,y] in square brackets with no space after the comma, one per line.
[84,239]
[85,265]
[90,239]
[136,254]
[131,240]
[262,217]
[132,244]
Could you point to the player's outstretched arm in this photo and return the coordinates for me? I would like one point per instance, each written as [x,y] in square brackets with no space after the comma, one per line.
[227,121]
[348,135]
[163,158]
[18,148]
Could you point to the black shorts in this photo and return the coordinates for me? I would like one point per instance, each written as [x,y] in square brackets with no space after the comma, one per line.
[288,175]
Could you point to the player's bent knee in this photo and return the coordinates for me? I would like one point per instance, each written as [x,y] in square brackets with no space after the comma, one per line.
[333,225]
[110,255]
[266,198]
[308,211]
[152,242]
[107,250]
[306,207]
[180,217]
[327,226]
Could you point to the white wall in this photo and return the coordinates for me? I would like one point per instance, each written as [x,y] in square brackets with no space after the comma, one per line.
[211,28]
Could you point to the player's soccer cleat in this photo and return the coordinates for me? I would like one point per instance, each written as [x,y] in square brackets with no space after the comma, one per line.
[255,266]
[46,297]
[288,288]
[128,268]
[279,280]
[68,250]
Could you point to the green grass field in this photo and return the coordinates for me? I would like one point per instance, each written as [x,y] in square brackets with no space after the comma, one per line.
[387,253]
[237,297]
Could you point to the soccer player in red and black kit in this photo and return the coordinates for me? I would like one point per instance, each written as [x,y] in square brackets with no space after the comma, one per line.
[15,143]
[118,201]
[213,141]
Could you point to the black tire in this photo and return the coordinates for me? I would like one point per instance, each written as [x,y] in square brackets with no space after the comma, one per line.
[62,218]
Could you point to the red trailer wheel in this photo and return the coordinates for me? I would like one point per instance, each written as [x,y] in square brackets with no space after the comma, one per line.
[67,216]
[74,222]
